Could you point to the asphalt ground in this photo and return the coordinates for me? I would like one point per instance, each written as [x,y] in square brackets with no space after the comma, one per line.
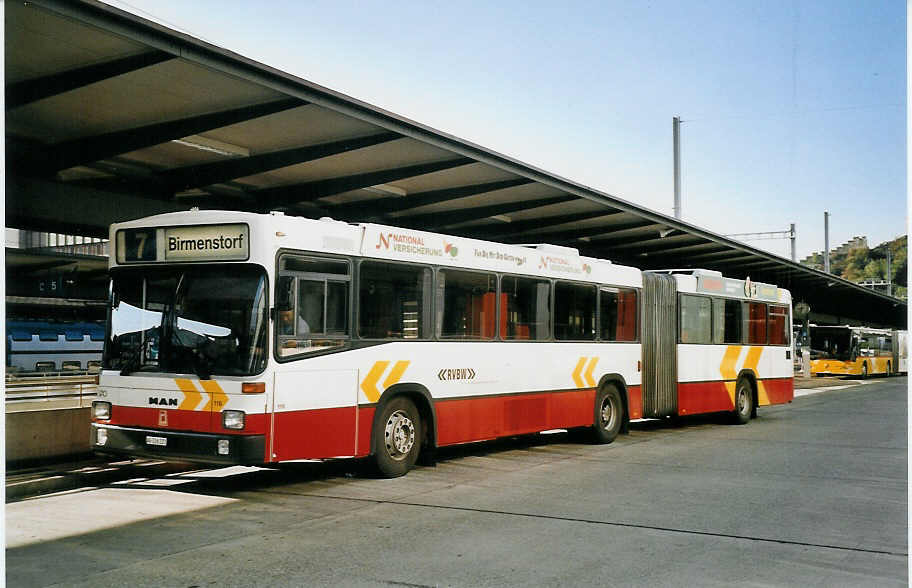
[812,493]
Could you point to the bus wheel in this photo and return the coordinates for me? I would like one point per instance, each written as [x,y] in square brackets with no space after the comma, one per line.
[396,437]
[744,402]
[609,414]
[864,370]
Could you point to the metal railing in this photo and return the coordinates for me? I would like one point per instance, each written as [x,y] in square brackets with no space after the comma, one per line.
[50,390]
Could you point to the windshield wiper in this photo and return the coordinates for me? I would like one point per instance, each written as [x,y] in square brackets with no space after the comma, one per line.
[198,345]
[132,363]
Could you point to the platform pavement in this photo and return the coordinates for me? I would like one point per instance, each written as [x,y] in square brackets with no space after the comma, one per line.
[88,471]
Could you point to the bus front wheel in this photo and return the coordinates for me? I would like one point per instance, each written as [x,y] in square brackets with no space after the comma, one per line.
[744,402]
[397,437]
[609,414]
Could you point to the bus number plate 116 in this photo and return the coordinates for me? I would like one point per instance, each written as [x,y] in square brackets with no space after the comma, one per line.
[160,441]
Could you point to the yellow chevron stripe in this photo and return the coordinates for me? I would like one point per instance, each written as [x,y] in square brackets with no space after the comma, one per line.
[191,395]
[396,373]
[217,397]
[576,372]
[750,363]
[369,383]
[588,373]
[727,369]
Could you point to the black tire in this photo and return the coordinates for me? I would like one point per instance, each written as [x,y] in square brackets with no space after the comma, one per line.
[744,402]
[397,437]
[609,414]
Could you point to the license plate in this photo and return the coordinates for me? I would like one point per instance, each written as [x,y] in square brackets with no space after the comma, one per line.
[160,441]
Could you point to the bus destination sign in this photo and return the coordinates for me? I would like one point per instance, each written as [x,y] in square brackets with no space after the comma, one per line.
[186,243]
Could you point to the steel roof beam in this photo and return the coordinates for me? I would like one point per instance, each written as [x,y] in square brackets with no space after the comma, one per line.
[365,209]
[28,91]
[571,234]
[435,220]
[207,174]
[718,256]
[90,149]
[522,227]
[659,244]
[281,196]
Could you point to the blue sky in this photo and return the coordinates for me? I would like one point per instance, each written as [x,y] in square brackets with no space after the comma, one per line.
[790,108]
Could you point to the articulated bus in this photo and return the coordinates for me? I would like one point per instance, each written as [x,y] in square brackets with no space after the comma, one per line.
[240,338]
[857,351]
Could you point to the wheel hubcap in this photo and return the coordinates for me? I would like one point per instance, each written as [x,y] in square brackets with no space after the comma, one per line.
[743,401]
[399,434]
[607,414]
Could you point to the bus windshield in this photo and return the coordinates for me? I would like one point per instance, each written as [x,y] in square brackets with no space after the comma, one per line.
[203,320]
[831,343]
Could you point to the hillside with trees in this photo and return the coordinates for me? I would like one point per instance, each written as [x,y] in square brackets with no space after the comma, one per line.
[863,263]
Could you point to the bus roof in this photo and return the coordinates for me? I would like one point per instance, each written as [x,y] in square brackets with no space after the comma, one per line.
[273,231]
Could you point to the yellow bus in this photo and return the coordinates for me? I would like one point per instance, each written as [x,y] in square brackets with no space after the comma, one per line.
[852,351]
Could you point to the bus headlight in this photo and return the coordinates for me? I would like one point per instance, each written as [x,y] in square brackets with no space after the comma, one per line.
[233,419]
[101,410]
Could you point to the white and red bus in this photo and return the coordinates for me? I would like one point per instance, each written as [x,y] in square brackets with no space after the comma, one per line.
[261,338]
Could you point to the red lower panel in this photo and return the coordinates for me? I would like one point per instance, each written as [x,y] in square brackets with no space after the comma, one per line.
[476,419]
[700,397]
[181,420]
[365,420]
[780,391]
[314,434]
[635,402]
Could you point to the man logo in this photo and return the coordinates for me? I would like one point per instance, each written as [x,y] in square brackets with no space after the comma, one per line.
[162,401]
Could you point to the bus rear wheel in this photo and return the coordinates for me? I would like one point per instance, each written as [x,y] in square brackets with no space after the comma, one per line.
[609,414]
[744,402]
[397,437]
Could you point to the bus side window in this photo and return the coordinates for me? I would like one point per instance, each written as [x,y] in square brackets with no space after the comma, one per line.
[727,321]
[394,301]
[574,312]
[528,310]
[756,328]
[778,325]
[312,301]
[285,305]
[618,314]
[695,319]
[466,304]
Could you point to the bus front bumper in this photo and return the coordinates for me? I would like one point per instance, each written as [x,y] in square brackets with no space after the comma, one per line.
[179,446]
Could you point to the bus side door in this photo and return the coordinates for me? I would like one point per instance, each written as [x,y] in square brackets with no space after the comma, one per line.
[314,414]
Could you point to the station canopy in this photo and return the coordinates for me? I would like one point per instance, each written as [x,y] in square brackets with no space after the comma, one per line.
[112,117]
